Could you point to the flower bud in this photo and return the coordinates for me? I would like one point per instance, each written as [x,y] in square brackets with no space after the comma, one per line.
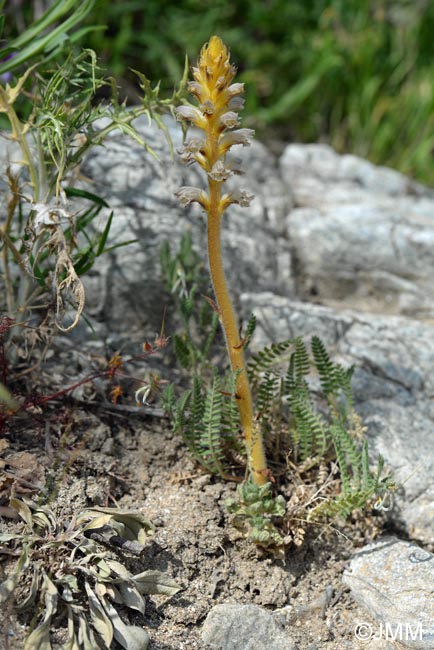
[195,89]
[235,89]
[193,151]
[236,104]
[235,165]
[207,107]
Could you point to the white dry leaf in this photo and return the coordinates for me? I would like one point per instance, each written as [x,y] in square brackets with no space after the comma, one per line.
[103,589]
[42,520]
[86,638]
[100,621]
[8,586]
[130,637]
[72,643]
[68,289]
[23,510]
[119,569]
[127,592]
[48,215]
[31,596]
[39,639]
[70,583]
[131,597]
[95,522]
[135,526]
[43,516]
[104,571]
[8,537]
[155,582]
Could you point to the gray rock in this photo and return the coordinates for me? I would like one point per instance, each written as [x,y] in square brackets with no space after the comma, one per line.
[124,288]
[243,627]
[304,165]
[394,581]
[393,386]
[362,235]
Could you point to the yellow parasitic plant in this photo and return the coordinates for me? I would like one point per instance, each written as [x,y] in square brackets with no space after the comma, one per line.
[219,101]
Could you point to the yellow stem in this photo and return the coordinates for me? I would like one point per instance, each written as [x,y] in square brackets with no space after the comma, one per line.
[253,439]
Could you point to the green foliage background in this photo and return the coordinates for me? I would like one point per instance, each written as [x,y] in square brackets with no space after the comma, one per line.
[357,74]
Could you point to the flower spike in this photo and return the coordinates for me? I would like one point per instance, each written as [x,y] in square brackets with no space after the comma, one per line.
[216,114]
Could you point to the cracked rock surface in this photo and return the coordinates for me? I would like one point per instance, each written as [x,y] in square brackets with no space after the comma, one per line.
[404,605]
[362,236]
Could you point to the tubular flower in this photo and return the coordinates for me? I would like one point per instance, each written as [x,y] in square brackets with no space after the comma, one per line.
[193,151]
[188,195]
[192,114]
[216,114]
[241,197]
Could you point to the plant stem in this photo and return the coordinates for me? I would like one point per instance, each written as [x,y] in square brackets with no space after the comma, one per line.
[254,444]
[18,133]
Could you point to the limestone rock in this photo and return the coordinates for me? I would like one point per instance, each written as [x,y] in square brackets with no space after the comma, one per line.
[360,234]
[243,627]
[394,581]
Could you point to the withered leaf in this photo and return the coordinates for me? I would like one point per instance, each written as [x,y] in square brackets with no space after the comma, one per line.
[155,582]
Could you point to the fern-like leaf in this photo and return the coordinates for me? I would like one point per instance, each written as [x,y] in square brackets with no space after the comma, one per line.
[168,400]
[340,455]
[182,351]
[268,393]
[230,424]
[310,428]
[353,457]
[211,441]
[267,358]
[250,330]
[301,359]
[325,367]
[341,506]
[186,305]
